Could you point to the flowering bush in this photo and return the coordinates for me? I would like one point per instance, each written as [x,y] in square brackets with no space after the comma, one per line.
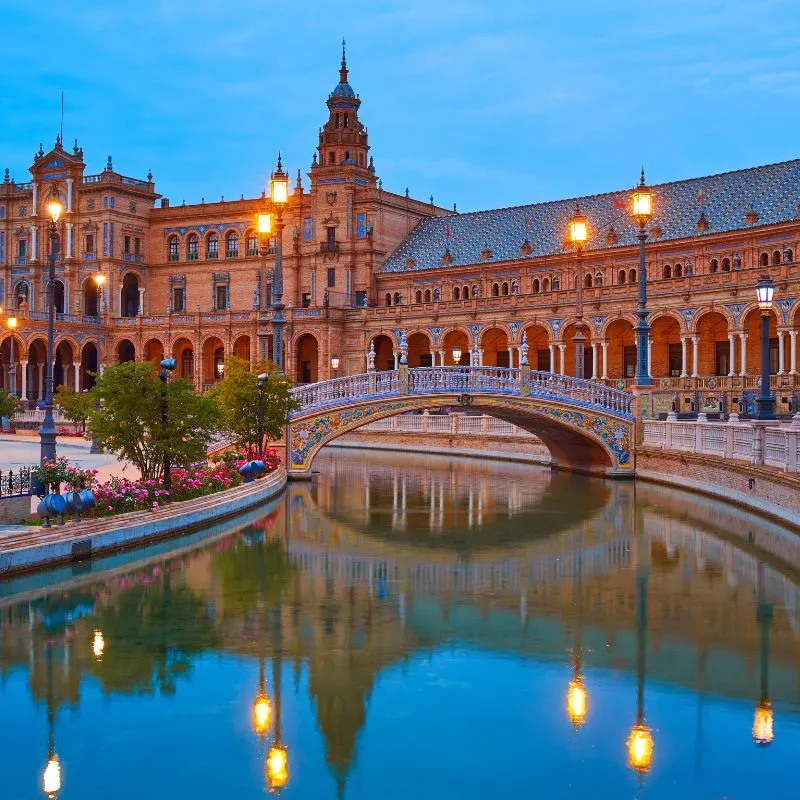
[235,458]
[54,472]
[78,478]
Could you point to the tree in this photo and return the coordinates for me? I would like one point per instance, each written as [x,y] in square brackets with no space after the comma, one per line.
[9,405]
[76,406]
[128,421]
[237,395]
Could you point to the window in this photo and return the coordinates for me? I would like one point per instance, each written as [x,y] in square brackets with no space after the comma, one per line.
[679,270]
[776,257]
[361,299]
[495,290]
[398,300]
[504,289]
[178,299]
[111,202]
[346,120]
[192,247]
[632,276]
[789,255]
[90,243]
[629,361]
[546,285]
[418,296]
[337,119]
[232,245]
[536,288]
[714,266]
[212,246]
[598,279]
[105,202]
[172,248]
[221,296]
[127,247]
[726,265]
[427,295]
[621,278]
[456,293]
[465,293]
[22,248]
[306,300]
[346,156]
[763,260]
[331,158]
[587,281]
[187,364]
[331,277]
[252,244]
[388,298]
[675,360]
[307,229]
[331,238]
[667,272]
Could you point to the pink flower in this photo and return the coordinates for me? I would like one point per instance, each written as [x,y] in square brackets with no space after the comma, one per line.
[155,505]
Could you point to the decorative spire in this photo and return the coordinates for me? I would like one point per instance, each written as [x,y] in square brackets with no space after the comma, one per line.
[299,184]
[314,161]
[58,142]
[343,68]
[75,147]
[407,191]
[455,208]
[431,199]
[371,166]
[641,182]
[41,151]
[109,165]
[149,176]
[7,177]
[280,165]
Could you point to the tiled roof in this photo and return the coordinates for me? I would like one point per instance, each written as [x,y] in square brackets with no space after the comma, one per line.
[772,192]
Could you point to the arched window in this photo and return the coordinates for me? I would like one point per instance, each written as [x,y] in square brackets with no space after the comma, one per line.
[337,119]
[212,246]
[59,297]
[427,295]
[546,285]
[21,294]
[789,255]
[598,279]
[667,272]
[475,290]
[763,260]
[232,245]
[437,295]
[172,248]
[331,158]
[515,286]
[504,289]
[418,296]
[465,293]
[679,270]
[252,243]
[622,277]
[632,276]
[726,265]
[587,280]
[456,293]
[192,247]
[776,257]
[398,300]
[495,290]
[536,286]
[714,265]
[388,298]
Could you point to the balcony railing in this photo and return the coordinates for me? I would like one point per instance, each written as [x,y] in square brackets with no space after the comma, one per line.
[232,254]
[212,254]
[173,257]
[329,247]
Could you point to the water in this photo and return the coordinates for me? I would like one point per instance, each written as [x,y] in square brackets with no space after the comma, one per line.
[416,623]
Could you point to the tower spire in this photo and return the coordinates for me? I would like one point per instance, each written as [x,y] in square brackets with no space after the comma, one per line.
[343,68]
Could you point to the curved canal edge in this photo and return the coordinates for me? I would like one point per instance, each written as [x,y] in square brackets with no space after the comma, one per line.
[30,548]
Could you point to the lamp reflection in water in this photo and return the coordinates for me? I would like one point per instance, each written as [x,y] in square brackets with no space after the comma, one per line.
[640,739]
[763,732]
[98,645]
[577,696]
[277,766]
[262,708]
[51,777]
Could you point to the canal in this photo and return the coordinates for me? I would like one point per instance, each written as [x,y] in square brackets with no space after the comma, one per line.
[414,626]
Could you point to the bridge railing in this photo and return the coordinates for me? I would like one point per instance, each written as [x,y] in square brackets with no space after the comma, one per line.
[422,380]
[348,388]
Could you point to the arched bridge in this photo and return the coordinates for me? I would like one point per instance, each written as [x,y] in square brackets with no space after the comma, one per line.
[588,427]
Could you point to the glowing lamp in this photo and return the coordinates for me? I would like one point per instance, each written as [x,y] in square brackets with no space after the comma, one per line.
[765,291]
[457,355]
[576,702]
[578,229]
[220,368]
[100,279]
[54,205]
[763,732]
[642,202]
[277,767]
[279,185]
[262,713]
[264,222]
[12,323]
[98,645]
[640,748]
[51,779]
[334,363]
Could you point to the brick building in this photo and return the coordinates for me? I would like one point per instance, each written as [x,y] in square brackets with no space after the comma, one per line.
[361,264]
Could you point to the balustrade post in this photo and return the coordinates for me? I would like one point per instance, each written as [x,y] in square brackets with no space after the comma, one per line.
[454,424]
[402,379]
[698,438]
[791,435]
[757,456]
[728,446]
[668,435]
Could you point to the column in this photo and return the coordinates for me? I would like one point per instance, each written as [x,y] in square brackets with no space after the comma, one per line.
[141,301]
[42,368]
[731,355]
[34,248]
[77,366]
[650,355]
[35,203]
[69,240]
[793,352]
[604,345]
[396,358]
[69,194]
[24,391]
[684,372]
[552,348]
[561,352]
[743,349]
[594,361]
[780,353]
[695,355]
[441,358]
[480,357]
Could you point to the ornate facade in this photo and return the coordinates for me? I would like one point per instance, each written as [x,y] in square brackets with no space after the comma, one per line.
[362,265]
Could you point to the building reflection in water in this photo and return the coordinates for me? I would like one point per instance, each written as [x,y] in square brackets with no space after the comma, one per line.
[334,584]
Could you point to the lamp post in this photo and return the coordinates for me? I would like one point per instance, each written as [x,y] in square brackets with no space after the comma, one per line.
[11,324]
[99,280]
[765,291]
[262,381]
[167,365]
[457,356]
[578,236]
[335,366]
[279,192]
[642,202]
[47,432]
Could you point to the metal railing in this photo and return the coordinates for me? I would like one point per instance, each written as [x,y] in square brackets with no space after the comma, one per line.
[15,484]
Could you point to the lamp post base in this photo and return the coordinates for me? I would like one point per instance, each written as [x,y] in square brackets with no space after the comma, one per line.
[765,408]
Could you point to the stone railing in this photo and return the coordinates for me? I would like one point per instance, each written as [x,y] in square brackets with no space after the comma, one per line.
[450,424]
[771,445]
[432,380]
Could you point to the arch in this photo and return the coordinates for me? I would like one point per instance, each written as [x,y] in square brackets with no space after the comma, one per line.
[6,376]
[726,265]
[536,287]
[789,255]
[241,347]
[153,351]
[212,360]
[384,346]
[598,278]
[567,333]
[776,258]
[678,270]
[173,247]
[232,244]
[427,295]
[494,343]
[126,351]
[212,245]
[456,338]
[90,365]
[456,293]
[418,296]
[751,324]
[63,366]
[59,296]
[665,352]
[495,290]
[621,348]
[713,349]
[307,363]
[631,276]
[91,298]
[588,280]
[546,284]
[465,293]
[21,294]
[622,276]
[538,339]
[183,353]
[192,247]
[129,295]
[37,360]
[714,265]
[667,272]
[420,349]
[504,289]
[388,298]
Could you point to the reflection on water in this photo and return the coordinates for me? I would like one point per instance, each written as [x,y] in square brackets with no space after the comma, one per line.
[416,626]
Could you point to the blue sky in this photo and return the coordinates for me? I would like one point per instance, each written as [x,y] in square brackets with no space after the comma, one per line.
[481,103]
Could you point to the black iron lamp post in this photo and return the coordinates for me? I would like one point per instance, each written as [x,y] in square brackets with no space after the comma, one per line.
[578,236]
[765,291]
[642,199]
[47,432]
[167,365]
[262,381]
[11,324]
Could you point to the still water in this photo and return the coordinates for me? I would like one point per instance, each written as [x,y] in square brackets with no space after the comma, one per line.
[414,627]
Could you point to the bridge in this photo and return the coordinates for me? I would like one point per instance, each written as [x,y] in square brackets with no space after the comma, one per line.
[587,426]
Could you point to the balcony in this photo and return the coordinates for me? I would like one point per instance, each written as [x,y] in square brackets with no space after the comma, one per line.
[174,257]
[329,247]
[212,255]
[232,254]
[90,256]
[192,256]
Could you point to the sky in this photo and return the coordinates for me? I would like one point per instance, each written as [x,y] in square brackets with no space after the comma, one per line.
[477,102]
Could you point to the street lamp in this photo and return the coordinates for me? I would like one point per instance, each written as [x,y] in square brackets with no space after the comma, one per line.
[765,291]
[335,365]
[167,365]
[47,431]
[262,381]
[279,192]
[642,202]
[456,355]
[578,236]
[99,280]
[11,324]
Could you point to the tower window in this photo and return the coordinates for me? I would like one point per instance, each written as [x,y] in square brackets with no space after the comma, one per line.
[337,119]
[346,120]
[331,158]
[346,155]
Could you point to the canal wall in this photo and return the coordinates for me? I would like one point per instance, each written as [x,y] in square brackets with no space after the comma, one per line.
[25,547]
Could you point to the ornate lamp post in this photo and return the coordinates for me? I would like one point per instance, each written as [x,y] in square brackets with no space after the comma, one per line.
[578,236]
[456,355]
[11,324]
[47,432]
[262,381]
[642,202]
[167,365]
[51,776]
[99,280]
[577,695]
[335,365]
[279,191]
[765,291]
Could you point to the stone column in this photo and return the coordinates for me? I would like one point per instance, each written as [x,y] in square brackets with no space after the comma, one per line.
[780,353]
[35,201]
[34,249]
[42,368]
[594,361]
[552,349]
[24,392]
[650,355]
[684,371]
[69,240]
[561,352]
[731,355]
[743,348]
[695,353]
[441,358]
[604,345]
[69,194]
[480,357]
[396,358]
[793,352]
[77,366]
[141,301]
